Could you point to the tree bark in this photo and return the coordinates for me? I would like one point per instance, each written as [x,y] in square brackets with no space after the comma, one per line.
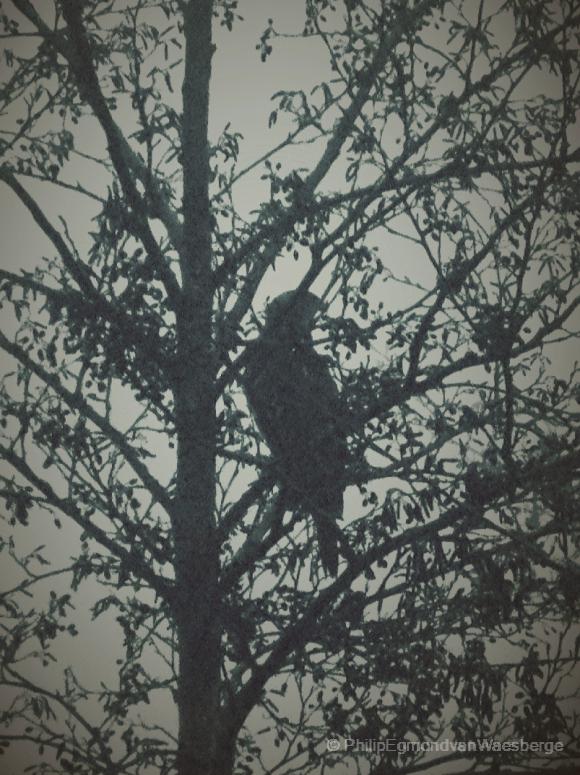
[196,546]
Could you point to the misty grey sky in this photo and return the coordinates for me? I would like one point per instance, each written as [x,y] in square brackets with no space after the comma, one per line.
[240,96]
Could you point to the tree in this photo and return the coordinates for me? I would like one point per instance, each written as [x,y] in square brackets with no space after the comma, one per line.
[427,189]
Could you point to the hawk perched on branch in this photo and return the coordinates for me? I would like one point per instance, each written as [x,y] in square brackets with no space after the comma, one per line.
[298,410]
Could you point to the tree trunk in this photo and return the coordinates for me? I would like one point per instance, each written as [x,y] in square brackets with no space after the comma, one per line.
[196,549]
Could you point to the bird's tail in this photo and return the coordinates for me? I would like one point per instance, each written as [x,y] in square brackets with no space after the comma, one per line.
[327,543]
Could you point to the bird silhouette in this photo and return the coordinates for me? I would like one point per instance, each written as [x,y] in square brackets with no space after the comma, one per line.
[297,408]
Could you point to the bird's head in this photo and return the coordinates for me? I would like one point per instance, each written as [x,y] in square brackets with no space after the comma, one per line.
[292,314]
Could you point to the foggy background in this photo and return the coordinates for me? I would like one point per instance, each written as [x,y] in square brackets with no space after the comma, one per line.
[240,96]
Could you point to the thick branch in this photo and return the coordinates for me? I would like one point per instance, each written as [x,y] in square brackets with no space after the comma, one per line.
[77,52]
[80,274]
[197,606]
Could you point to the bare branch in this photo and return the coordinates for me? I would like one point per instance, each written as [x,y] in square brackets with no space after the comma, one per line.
[78,404]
